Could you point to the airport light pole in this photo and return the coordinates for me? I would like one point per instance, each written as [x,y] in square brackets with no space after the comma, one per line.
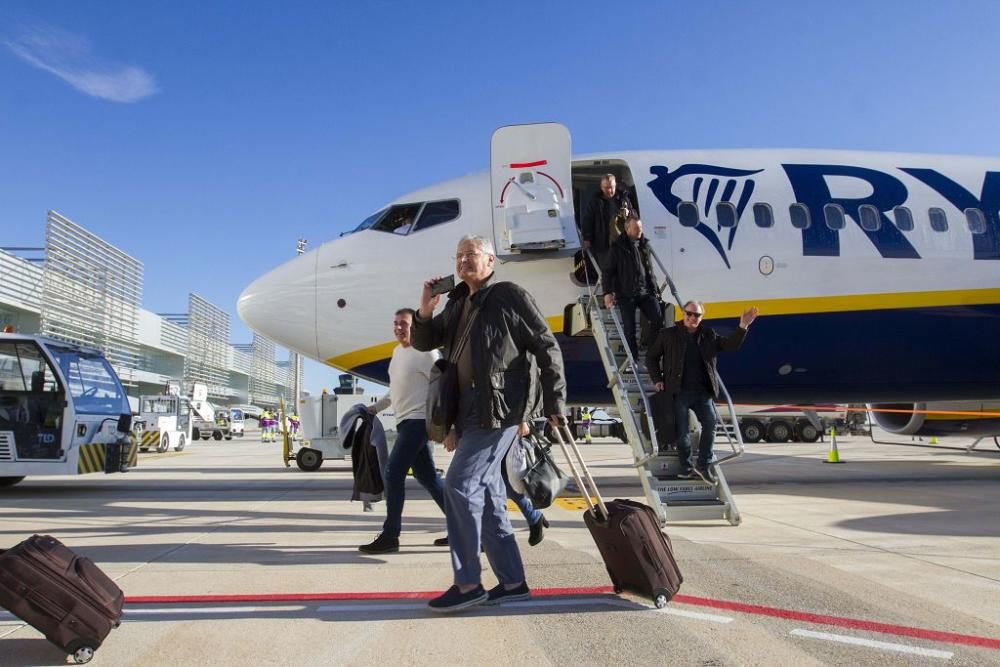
[300,248]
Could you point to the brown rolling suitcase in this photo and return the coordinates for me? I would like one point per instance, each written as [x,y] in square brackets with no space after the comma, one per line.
[61,594]
[636,552]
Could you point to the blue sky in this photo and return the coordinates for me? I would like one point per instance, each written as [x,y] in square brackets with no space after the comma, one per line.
[204,137]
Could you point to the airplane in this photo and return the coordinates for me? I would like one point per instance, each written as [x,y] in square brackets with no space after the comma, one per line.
[877,275]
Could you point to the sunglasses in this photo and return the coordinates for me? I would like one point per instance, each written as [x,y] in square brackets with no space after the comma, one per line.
[694,315]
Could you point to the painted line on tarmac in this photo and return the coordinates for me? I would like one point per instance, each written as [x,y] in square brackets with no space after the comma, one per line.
[728,605]
[871,643]
[519,604]
[714,618]
[210,610]
[844,622]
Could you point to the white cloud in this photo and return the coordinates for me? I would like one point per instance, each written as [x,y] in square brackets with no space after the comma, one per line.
[70,58]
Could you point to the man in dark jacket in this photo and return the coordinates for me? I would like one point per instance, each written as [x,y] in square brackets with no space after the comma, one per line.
[682,362]
[599,215]
[494,376]
[629,281]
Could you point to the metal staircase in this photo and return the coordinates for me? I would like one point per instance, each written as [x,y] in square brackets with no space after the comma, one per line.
[673,499]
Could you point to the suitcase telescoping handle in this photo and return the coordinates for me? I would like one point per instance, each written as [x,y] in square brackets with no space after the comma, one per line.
[564,436]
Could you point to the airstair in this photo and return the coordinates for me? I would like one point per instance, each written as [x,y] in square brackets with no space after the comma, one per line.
[673,499]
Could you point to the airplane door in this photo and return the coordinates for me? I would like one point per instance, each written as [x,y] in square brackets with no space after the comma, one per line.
[530,177]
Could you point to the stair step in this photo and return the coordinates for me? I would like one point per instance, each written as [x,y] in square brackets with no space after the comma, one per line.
[695,503]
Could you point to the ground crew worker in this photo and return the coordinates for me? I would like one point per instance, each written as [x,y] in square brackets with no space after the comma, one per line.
[585,423]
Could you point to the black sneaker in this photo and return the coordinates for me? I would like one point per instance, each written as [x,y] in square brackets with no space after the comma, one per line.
[382,544]
[707,474]
[441,541]
[454,600]
[498,594]
[537,532]
[687,473]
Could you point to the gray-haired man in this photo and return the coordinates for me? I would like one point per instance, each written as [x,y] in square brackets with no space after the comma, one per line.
[494,373]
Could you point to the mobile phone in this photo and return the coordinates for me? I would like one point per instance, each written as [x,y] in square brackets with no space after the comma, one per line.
[446,284]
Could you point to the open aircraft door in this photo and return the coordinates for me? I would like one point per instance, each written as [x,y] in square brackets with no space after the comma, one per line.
[532,191]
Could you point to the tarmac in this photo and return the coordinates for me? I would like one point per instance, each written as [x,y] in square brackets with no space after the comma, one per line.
[227,557]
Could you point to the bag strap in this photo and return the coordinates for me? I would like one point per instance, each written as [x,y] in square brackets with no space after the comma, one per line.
[457,351]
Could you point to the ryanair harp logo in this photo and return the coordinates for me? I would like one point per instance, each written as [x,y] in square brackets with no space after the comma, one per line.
[709,185]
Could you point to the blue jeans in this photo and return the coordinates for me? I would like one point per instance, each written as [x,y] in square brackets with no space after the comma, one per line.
[701,403]
[412,450]
[476,502]
[522,501]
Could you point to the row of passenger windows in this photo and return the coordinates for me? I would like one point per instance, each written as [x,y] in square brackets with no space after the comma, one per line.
[405,218]
[834,216]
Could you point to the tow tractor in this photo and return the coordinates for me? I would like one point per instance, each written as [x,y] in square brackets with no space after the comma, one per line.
[63,411]
[236,419]
[164,422]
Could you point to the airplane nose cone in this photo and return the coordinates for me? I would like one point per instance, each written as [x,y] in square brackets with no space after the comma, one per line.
[281,305]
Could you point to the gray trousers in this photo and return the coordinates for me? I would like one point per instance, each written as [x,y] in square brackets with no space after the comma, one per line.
[475,500]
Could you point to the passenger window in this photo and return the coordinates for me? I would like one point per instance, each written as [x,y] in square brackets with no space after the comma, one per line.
[398,219]
[834,214]
[688,214]
[939,221]
[800,216]
[871,220]
[438,212]
[725,213]
[976,219]
[763,216]
[904,218]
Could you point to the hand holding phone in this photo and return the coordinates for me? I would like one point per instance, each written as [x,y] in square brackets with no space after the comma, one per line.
[443,285]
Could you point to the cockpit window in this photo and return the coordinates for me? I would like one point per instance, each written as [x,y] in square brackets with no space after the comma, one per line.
[398,219]
[437,212]
[369,221]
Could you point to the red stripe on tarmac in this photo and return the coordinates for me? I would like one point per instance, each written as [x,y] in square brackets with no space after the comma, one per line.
[840,621]
[742,607]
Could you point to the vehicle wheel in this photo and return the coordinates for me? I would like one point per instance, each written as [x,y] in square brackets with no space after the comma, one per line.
[806,432]
[181,442]
[779,431]
[164,444]
[10,481]
[229,437]
[753,430]
[216,435]
[309,459]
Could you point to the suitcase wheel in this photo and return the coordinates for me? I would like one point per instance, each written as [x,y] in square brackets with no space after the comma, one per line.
[661,597]
[82,651]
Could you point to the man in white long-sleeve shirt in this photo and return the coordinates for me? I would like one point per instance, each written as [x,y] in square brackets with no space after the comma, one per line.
[409,373]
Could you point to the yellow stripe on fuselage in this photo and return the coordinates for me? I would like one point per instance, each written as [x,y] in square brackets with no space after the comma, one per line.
[792,306]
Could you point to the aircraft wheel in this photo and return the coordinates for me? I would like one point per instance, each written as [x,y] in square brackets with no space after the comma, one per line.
[779,431]
[10,481]
[806,432]
[753,430]
[181,442]
[164,444]
[309,459]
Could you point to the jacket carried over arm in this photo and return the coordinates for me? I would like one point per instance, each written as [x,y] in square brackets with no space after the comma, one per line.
[507,330]
[665,359]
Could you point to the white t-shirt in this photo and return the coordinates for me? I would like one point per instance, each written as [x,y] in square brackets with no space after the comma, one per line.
[409,373]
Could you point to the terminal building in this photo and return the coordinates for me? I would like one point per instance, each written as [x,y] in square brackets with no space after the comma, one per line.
[80,288]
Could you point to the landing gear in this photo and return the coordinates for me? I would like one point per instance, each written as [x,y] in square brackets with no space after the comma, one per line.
[806,432]
[753,430]
[779,431]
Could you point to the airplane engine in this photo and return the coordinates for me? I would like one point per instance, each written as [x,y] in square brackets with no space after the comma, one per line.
[969,418]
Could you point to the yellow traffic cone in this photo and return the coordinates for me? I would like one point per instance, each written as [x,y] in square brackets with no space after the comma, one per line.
[833,456]
[933,440]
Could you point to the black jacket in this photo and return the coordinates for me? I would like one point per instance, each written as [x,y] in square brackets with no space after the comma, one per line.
[669,347]
[509,328]
[597,217]
[621,268]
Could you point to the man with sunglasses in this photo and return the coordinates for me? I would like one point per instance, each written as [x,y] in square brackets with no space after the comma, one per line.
[682,362]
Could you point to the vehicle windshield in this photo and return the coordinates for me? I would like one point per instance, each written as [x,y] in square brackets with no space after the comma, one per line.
[159,406]
[91,382]
[237,415]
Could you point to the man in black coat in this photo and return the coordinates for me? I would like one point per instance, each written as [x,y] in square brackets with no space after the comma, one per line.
[682,362]
[600,214]
[629,280]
